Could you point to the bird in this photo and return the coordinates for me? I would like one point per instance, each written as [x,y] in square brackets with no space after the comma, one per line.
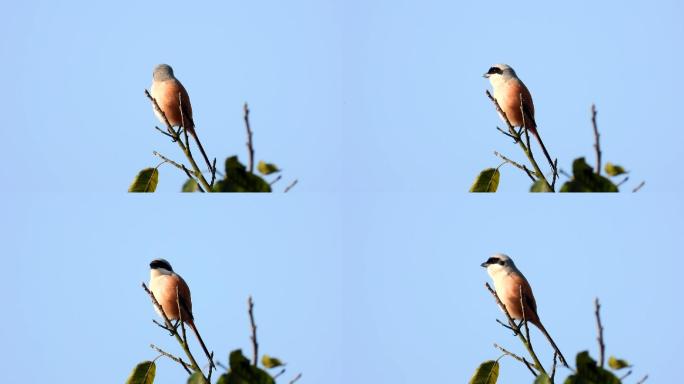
[164,283]
[508,89]
[508,282]
[172,98]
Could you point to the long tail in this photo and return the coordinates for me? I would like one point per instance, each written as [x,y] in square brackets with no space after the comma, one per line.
[199,144]
[204,347]
[553,344]
[546,153]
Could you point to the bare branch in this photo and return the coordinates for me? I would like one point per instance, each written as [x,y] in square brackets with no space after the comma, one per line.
[174,358]
[597,145]
[292,184]
[299,376]
[255,345]
[522,167]
[599,327]
[638,187]
[250,146]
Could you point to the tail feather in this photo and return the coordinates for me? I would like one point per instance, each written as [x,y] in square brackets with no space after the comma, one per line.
[204,347]
[553,344]
[199,144]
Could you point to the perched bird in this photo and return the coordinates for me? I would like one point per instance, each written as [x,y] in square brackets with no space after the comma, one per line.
[507,90]
[164,283]
[508,281]
[172,98]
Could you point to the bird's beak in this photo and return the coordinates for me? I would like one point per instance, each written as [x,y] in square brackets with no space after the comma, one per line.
[486,75]
[484,265]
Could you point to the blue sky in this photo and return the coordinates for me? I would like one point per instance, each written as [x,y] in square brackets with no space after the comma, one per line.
[369,270]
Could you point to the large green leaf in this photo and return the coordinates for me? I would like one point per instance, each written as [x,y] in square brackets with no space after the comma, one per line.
[540,186]
[486,373]
[486,181]
[143,373]
[196,378]
[267,168]
[243,372]
[614,170]
[542,379]
[145,181]
[237,179]
[590,373]
[585,180]
[190,186]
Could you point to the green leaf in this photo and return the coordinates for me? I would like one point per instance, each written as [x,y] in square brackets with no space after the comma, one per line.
[542,379]
[223,379]
[589,373]
[143,373]
[486,373]
[617,363]
[196,378]
[267,168]
[145,181]
[270,362]
[242,372]
[540,186]
[486,181]
[190,186]
[614,170]
[585,180]
[237,179]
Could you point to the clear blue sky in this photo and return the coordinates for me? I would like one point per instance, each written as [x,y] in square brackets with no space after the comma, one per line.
[348,288]
[360,276]
[345,95]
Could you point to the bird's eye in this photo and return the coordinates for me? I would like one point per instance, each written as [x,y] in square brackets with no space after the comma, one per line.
[501,262]
[494,70]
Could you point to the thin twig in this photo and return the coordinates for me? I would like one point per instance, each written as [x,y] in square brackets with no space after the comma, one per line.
[506,159]
[623,377]
[277,375]
[597,145]
[219,364]
[622,181]
[643,380]
[213,174]
[166,159]
[553,368]
[299,376]
[292,184]
[255,345]
[515,140]
[250,147]
[173,138]
[277,179]
[599,328]
[513,355]
[638,187]
[174,358]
